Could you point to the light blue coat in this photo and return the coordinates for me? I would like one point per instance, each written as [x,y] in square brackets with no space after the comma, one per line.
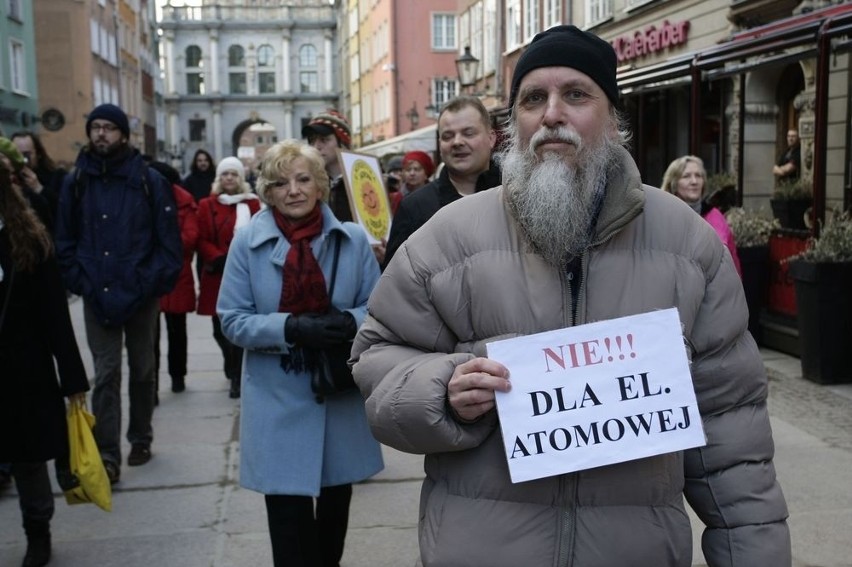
[290,444]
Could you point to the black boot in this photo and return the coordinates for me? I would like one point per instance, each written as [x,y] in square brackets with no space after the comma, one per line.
[178,384]
[38,544]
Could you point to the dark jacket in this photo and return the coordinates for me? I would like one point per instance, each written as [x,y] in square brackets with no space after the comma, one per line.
[338,201]
[35,332]
[117,236]
[418,207]
[199,183]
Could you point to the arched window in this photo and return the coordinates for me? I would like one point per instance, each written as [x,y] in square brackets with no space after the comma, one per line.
[308,78]
[308,56]
[194,76]
[237,69]
[193,56]
[236,56]
[266,69]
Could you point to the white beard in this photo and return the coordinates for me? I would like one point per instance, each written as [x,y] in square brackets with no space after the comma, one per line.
[553,201]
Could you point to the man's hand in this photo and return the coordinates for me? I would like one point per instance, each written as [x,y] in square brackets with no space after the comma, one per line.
[30,180]
[472,386]
[379,251]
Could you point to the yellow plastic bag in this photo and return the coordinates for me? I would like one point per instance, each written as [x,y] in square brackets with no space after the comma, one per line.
[85,460]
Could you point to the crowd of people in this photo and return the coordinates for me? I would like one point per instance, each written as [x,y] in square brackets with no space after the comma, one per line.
[541,233]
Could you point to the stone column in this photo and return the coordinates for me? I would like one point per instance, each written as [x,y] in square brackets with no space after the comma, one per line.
[285,61]
[216,107]
[214,62]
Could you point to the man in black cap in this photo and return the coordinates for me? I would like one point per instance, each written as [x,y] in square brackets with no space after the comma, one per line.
[119,247]
[571,237]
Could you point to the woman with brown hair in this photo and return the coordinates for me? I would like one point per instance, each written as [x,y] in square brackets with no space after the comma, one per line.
[36,339]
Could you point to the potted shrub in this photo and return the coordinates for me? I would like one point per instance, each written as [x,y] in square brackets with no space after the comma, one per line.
[790,202]
[751,231]
[822,275]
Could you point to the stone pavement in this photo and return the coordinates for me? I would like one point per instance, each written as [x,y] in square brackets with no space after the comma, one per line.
[185,508]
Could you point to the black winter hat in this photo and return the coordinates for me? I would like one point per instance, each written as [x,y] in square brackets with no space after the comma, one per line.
[113,114]
[569,46]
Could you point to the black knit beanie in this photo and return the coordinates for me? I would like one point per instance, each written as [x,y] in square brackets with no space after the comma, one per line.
[113,114]
[568,46]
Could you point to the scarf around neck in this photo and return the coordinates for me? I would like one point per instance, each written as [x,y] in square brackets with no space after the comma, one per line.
[302,285]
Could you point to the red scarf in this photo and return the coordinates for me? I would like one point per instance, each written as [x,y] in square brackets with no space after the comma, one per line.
[303,285]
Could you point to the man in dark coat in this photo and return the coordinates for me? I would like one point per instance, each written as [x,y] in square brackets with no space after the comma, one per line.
[329,132]
[466,142]
[202,173]
[118,243]
[789,165]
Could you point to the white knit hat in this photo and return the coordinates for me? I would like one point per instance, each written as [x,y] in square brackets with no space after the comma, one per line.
[231,164]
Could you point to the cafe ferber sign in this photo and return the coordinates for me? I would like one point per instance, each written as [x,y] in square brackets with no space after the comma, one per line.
[650,40]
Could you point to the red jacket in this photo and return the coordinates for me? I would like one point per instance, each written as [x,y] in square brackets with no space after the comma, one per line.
[216,230]
[182,297]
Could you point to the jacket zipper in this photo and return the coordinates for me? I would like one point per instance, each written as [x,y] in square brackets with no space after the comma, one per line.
[568,482]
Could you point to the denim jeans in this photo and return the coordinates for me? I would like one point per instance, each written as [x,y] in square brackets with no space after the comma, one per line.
[138,333]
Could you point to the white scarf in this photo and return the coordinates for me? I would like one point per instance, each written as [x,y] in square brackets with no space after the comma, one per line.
[243,211]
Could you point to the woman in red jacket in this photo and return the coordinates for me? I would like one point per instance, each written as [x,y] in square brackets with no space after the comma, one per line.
[181,300]
[228,208]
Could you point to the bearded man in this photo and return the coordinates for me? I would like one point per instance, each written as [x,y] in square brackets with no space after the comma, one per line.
[118,245]
[572,236]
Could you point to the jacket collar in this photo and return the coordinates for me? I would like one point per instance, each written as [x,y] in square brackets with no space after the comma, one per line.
[263,228]
[624,198]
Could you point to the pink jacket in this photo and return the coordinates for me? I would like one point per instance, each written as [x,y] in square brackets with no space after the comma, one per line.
[720,225]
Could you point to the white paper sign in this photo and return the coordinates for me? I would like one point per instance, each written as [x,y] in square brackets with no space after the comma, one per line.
[596,394]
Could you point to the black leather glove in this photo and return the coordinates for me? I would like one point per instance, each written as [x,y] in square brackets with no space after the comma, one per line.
[320,331]
[217,265]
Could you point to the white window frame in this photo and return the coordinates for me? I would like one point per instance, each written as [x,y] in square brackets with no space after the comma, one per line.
[489,46]
[532,20]
[597,12]
[513,24]
[443,31]
[17,67]
[444,89]
[552,15]
[14,10]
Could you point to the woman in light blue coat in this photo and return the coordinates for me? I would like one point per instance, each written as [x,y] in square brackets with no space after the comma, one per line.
[274,303]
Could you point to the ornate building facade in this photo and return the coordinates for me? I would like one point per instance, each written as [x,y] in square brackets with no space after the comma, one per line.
[239,76]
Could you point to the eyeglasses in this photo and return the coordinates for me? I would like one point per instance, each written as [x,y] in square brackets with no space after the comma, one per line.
[107,127]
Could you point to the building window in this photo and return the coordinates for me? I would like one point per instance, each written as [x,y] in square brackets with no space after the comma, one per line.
[237,83]
[309,82]
[598,11]
[17,67]
[193,56]
[513,23]
[308,56]
[15,12]
[266,69]
[266,82]
[197,130]
[236,56]
[236,70]
[265,56]
[531,21]
[195,83]
[552,13]
[443,90]
[443,31]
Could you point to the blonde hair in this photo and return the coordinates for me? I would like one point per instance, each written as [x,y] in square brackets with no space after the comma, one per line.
[675,170]
[279,160]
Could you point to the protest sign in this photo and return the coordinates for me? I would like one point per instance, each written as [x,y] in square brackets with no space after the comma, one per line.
[596,394]
[368,198]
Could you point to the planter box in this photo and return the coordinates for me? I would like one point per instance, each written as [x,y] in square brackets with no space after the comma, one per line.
[825,319]
[791,212]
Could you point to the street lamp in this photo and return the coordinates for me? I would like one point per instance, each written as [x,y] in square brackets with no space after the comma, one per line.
[413,116]
[467,66]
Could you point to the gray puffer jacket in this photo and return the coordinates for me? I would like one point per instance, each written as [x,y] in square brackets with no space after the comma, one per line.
[469,277]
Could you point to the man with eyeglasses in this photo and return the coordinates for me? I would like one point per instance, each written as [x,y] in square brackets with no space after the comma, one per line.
[119,247]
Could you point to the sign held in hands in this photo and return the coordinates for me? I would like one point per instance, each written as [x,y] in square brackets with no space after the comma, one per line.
[596,394]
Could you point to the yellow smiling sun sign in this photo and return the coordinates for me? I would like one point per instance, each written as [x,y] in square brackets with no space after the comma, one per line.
[370,199]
